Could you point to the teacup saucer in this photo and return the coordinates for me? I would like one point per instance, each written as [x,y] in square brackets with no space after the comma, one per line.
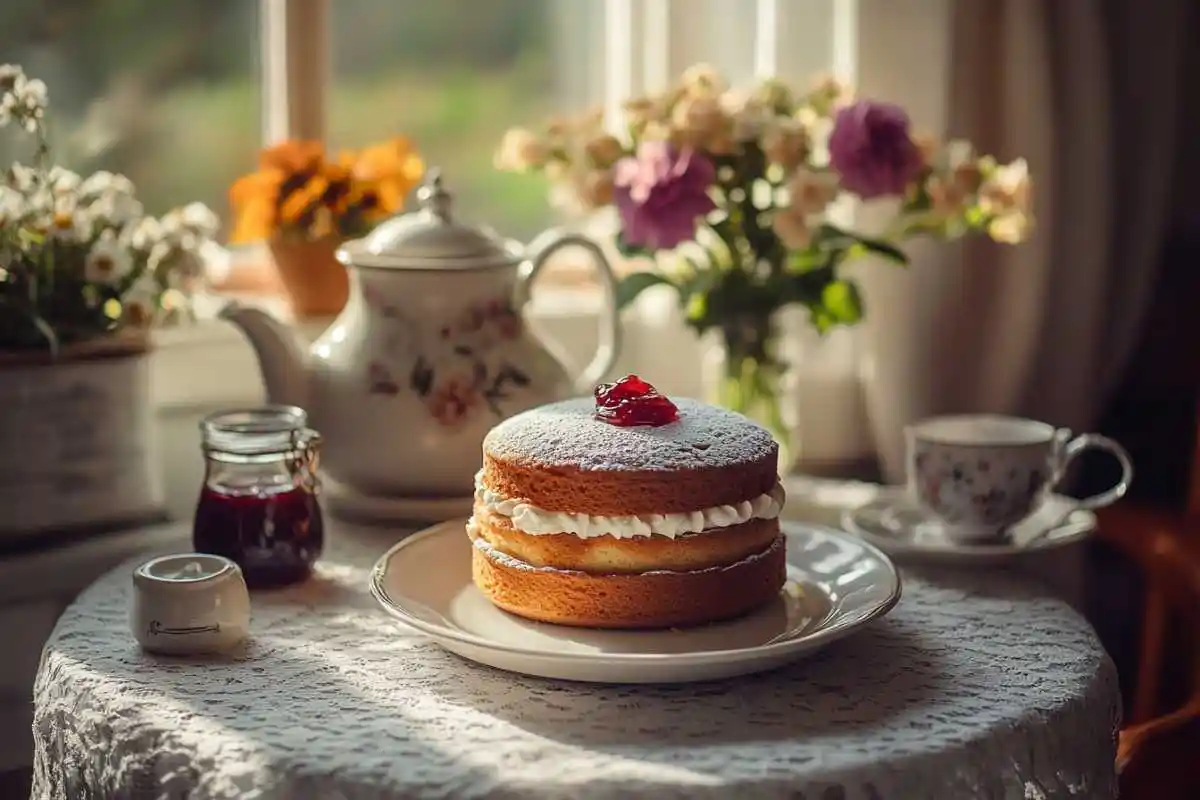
[893,524]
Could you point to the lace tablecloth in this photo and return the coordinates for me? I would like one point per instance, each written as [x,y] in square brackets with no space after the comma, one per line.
[976,686]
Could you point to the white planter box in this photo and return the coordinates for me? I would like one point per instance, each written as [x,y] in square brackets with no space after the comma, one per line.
[76,445]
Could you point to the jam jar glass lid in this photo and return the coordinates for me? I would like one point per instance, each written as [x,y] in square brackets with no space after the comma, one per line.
[264,430]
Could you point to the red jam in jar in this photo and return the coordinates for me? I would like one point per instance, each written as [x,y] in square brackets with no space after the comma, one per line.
[258,506]
[631,401]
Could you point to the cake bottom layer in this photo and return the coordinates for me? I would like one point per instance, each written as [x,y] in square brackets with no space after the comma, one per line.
[645,600]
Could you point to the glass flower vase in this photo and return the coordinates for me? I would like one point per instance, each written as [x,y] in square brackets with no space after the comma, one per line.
[743,372]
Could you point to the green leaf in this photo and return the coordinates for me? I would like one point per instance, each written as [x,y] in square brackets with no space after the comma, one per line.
[630,250]
[830,234]
[842,302]
[635,283]
[883,249]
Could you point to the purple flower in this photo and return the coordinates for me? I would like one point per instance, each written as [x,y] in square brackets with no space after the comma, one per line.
[661,192]
[871,150]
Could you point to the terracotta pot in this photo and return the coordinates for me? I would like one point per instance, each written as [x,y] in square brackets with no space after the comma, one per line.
[76,438]
[315,283]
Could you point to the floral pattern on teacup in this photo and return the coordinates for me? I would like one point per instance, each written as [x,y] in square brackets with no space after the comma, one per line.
[982,491]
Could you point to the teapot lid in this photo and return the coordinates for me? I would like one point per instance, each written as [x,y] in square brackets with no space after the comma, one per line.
[430,238]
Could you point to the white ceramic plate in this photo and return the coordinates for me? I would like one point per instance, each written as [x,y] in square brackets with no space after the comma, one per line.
[894,525]
[353,507]
[836,584]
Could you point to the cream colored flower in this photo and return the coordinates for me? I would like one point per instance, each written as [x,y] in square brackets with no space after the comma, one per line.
[829,93]
[696,120]
[791,226]
[1011,228]
[603,151]
[748,114]
[785,142]
[810,192]
[107,263]
[946,196]
[1007,189]
[521,150]
[703,80]
[595,189]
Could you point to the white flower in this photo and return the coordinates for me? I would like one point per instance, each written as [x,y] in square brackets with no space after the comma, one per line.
[9,74]
[115,210]
[810,192]
[200,220]
[21,177]
[62,180]
[140,302]
[106,183]
[144,234]
[108,262]
[791,226]
[69,222]
[12,206]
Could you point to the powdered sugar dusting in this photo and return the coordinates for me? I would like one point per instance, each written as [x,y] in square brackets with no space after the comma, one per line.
[565,434]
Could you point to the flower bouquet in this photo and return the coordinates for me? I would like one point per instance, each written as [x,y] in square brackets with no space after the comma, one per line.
[305,204]
[736,197]
[81,265]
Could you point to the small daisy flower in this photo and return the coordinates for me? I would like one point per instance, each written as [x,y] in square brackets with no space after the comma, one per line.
[108,262]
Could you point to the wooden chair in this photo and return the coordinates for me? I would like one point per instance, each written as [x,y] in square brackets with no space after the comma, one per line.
[1159,748]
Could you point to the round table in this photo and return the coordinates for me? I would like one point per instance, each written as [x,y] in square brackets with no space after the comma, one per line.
[976,685]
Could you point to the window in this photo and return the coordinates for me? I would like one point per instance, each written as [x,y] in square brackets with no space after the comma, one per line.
[167,93]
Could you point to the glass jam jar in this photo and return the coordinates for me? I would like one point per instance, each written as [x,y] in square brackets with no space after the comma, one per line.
[258,506]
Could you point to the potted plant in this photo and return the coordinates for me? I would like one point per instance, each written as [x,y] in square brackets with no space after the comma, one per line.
[734,197]
[305,205]
[84,275]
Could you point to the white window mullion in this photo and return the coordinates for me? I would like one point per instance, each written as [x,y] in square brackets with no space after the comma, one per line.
[658,71]
[622,61]
[296,65]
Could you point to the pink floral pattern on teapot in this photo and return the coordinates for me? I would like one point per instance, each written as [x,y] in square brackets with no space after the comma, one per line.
[452,392]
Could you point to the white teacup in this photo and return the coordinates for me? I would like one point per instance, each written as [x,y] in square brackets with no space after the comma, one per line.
[189,603]
[980,474]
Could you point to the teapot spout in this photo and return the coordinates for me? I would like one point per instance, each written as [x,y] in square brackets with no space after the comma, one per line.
[281,355]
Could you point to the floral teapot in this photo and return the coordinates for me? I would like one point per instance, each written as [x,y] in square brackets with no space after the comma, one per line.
[429,353]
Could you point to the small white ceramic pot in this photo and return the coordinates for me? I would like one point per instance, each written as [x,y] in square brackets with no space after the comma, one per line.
[188,604]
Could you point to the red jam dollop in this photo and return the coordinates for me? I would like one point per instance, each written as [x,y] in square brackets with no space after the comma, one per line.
[631,401]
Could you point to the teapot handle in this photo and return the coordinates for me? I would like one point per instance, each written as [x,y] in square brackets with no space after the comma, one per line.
[609,345]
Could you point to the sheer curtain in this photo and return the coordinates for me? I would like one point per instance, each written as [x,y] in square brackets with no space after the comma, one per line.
[1087,91]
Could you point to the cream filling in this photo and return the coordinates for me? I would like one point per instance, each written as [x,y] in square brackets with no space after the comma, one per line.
[530,519]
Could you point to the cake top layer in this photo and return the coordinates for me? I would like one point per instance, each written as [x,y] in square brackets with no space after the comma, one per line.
[567,434]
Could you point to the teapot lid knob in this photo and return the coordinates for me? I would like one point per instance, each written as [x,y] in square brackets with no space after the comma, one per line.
[434,198]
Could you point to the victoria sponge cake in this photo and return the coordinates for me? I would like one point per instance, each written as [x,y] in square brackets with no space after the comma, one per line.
[628,511]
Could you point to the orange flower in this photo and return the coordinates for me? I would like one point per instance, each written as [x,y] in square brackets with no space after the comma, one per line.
[292,156]
[391,169]
[302,200]
[253,199]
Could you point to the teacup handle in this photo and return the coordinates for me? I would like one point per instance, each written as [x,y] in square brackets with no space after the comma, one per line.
[609,345]
[1094,441]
